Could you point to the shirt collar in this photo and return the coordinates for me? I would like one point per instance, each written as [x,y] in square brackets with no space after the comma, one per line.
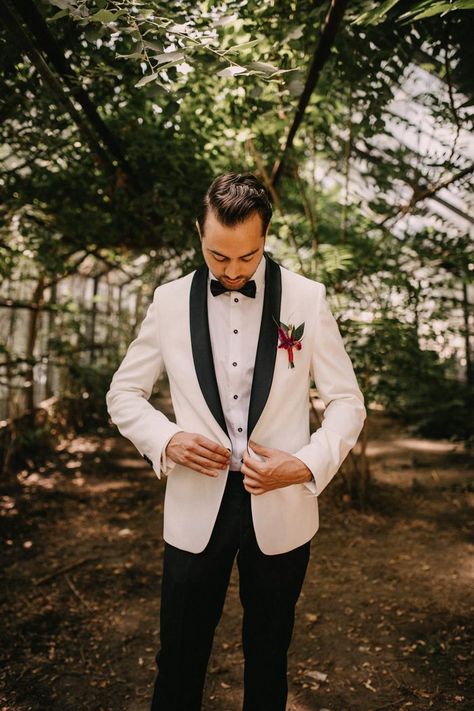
[258,276]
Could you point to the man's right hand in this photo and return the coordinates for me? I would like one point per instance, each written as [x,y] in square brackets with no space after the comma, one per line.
[198,452]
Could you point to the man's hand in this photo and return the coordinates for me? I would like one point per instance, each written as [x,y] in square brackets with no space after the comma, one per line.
[198,452]
[279,469]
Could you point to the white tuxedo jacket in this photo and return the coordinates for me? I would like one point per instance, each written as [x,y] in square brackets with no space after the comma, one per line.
[174,335]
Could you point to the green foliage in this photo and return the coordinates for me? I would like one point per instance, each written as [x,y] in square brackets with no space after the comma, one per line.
[414,384]
[141,32]
[31,444]
[183,92]
[83,405]
[418,10]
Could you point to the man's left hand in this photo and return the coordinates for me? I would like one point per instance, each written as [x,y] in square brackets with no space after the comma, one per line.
[277,470]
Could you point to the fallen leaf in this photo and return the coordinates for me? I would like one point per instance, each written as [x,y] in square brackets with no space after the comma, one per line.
[318,676]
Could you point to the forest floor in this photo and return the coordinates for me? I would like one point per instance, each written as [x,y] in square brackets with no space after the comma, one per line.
[384,620]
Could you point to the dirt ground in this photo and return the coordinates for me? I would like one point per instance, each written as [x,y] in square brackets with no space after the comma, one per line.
[384,621]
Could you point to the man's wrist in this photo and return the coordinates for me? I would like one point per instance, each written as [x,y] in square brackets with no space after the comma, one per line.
[306,473]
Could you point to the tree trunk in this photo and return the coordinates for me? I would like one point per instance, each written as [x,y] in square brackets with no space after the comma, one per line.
[34,317]
[93,320]
[49,386]
[467,334]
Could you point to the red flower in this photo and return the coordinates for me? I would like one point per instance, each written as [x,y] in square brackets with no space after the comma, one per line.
[290,337]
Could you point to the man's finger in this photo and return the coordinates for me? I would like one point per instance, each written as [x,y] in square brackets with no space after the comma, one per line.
[253,464]
[260,448]
[213,446]
[204,461]
[251,481]
[254,489]
[211,455]
[250,474]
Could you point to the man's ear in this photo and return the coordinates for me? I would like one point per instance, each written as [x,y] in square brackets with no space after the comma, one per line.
[199,231]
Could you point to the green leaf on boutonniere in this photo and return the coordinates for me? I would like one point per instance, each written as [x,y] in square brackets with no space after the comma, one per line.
[298,332]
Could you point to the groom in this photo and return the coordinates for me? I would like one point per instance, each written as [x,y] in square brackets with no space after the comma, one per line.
[240,338]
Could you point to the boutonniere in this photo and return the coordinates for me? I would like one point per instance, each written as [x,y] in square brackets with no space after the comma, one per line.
[290,337]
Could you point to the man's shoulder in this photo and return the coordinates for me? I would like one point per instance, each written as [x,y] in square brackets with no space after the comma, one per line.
[174,286]
[299,281]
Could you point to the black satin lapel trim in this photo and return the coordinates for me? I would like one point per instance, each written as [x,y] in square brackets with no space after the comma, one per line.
[201,344]
[267,343]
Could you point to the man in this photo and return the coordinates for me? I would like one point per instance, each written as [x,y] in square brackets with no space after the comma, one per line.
[240,338]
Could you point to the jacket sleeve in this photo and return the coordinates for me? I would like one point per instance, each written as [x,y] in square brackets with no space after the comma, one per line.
[337,386]
[147,428]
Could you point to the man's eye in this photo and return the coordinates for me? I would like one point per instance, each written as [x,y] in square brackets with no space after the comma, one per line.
[222,259]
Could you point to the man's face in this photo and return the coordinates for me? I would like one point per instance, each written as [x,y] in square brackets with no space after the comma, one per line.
[233,253]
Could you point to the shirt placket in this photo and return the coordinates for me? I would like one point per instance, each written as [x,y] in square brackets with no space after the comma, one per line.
[235,380]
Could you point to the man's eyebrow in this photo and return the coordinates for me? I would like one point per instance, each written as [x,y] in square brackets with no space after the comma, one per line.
[214,251]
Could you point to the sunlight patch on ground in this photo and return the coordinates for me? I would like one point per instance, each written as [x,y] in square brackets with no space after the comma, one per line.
[407,444]
[407,475]
[104,486]
[50,481]
[130,463]
[80,444]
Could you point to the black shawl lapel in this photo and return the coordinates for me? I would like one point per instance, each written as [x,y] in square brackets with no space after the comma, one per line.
[266,348]
[201,344]
[267,344]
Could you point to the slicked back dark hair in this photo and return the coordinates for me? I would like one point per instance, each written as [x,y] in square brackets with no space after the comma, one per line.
[233,198]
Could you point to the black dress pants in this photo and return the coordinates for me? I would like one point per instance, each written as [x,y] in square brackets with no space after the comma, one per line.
[194,587]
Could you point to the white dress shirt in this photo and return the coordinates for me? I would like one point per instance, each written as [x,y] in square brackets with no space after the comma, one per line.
[234,327]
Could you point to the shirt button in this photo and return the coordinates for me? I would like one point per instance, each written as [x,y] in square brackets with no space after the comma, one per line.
[235,330]
[235,397]
[235,299]
[240,429]
[234,363]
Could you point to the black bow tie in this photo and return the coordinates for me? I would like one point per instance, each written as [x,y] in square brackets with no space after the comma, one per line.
[247,289]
